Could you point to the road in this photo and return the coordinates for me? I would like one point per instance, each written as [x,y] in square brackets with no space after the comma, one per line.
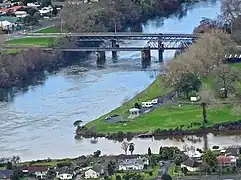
[211,177]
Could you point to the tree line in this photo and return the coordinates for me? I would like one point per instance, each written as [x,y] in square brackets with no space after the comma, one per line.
[106,15]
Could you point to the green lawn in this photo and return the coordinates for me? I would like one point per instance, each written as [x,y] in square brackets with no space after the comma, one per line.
[43,42]
[10,51]
[143,174]
[49,30]
[51,163]
[154,90]
[166,116]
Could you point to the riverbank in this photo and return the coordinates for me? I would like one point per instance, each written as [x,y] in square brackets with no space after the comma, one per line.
[174,117]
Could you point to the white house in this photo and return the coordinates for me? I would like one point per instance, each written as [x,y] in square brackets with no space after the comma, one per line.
[94,172]
[64,173]
[65,176]
[91,174]
[133,164]
[191,165]
[134,112]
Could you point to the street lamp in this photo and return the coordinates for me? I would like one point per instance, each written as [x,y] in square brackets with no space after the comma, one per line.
[115,26]
[61,26]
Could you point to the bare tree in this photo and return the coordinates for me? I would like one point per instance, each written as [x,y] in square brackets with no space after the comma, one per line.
[124,146]
[230,9]
[201,58]
[225,80]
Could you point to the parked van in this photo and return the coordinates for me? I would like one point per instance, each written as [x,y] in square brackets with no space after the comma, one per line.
[146,104]
[154,101]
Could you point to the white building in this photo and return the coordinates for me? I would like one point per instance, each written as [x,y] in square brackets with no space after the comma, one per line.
[191,165]
[134,112]
[133,164]
[91,174]
[65,176]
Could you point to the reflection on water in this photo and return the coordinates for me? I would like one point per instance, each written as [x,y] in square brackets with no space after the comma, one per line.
[38,123]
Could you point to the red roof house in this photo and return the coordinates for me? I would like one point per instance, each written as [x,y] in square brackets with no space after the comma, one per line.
[226,160]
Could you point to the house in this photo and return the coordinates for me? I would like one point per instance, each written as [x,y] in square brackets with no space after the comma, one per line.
[5,174]
[14,8]
[226,161]
[37,171]
[64,173]
[191,165]
[231,151]
[134,112]
[94,172]
[133,164]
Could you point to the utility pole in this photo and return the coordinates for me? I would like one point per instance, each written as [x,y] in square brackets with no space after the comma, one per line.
[115,26]
[61,26]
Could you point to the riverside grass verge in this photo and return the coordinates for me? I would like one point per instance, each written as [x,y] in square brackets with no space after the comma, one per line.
[42,42]
[165,117]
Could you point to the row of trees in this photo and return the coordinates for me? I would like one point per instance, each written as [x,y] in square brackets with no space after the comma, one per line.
[108,14]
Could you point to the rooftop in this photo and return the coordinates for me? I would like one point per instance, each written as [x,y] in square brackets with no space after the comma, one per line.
[4,174]
[191,163]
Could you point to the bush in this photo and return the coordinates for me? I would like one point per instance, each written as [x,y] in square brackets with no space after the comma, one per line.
[63,164]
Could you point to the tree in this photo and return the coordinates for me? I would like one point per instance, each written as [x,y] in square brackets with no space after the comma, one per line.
[131,147]
[206,98]
[166,177]
[230,9]
[9,166]
[149,151]
[225,80]
[202,58]
[55,11]
[236,110]
[111,168]
[187,83]
[125,146]
[160,150]
[97,153]
[46,3]
[118,177]
[209,158]
[77,123]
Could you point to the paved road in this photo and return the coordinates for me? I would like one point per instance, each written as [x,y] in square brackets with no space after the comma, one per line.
[211,177]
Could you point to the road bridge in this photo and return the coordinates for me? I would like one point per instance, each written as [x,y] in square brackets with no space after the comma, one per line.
[154,41]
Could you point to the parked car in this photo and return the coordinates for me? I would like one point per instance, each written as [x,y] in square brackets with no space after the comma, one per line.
[146,104]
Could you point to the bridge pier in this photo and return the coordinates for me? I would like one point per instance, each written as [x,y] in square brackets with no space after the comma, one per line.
[145,58]
[160,51]
[100,58]
[114,53]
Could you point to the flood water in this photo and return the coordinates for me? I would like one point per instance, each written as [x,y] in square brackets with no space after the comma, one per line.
[39,123]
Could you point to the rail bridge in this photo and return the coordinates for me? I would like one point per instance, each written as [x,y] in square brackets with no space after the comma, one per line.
[111,42]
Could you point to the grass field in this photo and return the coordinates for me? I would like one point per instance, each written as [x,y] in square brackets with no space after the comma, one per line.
[167,116]
[49,30]
[42,42]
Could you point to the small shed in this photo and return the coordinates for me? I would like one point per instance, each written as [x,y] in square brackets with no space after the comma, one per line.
[134,112]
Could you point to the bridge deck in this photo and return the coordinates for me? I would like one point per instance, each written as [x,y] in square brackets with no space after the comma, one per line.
[110,35]
[92,49]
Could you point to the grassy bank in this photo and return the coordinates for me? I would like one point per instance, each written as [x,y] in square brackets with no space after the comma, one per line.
[167,116]
[42,42]
[48,30]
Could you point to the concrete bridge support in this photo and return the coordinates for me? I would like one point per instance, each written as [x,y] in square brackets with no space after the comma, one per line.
[145,58]
[160,51]
[114,53]
[100,58]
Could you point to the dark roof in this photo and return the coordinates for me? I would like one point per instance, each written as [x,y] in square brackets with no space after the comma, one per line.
[63,170]
[97,168]
[233,150]
[191,163]
[33,169]
[4,174]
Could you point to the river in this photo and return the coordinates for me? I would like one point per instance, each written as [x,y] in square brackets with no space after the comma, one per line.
[38,123]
